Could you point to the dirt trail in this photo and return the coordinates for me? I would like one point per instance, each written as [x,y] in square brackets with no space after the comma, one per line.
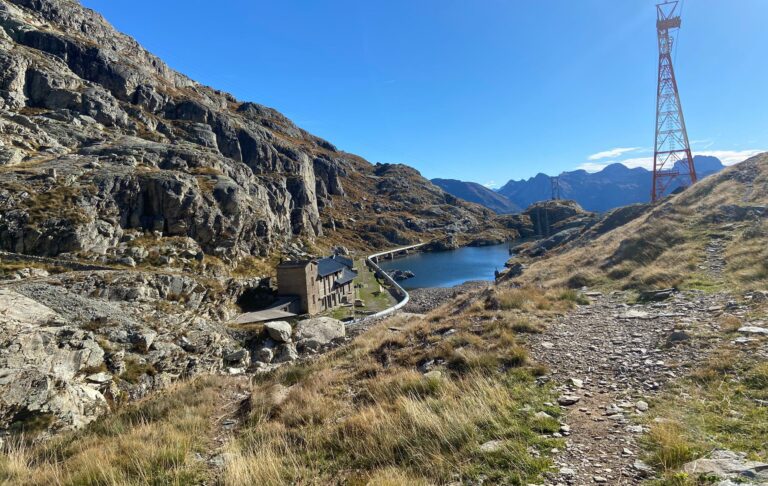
[613,358]
[227,422]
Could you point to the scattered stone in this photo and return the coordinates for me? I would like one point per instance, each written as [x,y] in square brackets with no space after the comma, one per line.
[491,446]
[236,356]
[635,314]
[599,479]
[678,337]
[567,471]
[577,383]
[567,400]
[744,340]
[754,330]
[656,295]
[642,406]
[100,378]
[643,469]
[264,354]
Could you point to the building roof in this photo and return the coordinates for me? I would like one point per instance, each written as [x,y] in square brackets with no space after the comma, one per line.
[263,315]
[347,275]
[348,262]
[294,263]
[332,264]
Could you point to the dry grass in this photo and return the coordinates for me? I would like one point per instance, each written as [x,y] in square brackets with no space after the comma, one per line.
[670,448]
[151,442]
[365,415]
[730,323]
[531,299]
[256,267]
[747,256]
[715,407]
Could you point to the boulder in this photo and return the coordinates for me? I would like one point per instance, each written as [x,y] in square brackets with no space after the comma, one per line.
[313,334]
[286,352]
[727,464]
[754,330]
[264,355]
[280,331]
[143,339]
[235,357]
[567,400]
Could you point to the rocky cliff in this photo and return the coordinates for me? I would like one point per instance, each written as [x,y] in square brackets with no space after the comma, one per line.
[101,143]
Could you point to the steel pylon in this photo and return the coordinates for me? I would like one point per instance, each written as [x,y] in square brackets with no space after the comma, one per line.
[672,153]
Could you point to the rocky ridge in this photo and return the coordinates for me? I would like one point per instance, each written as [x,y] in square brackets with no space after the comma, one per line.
[101,142]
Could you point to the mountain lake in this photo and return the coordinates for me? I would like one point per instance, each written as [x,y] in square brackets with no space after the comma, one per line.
[449,268]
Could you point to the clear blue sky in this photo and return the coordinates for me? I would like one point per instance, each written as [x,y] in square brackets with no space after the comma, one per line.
[481,90]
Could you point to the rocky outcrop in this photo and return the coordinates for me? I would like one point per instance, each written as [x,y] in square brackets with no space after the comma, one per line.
[78,342]
[42,367]
[113,141]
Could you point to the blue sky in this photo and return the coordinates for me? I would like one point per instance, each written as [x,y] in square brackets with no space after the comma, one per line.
[480,90]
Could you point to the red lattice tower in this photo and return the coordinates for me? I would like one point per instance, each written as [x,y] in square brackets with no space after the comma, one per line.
[672,153]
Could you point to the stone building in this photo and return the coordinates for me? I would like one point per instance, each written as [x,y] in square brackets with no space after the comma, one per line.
[317,285]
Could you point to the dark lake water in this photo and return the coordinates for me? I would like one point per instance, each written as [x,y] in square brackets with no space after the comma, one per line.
[450,268]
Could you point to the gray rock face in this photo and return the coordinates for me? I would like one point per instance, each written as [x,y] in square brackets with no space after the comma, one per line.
[137,146]
[39,363]
[313,334]
[69,341]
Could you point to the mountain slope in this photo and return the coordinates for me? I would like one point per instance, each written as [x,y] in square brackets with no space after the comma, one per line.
[612,187]
[477,193]
[722,217]
[102,144]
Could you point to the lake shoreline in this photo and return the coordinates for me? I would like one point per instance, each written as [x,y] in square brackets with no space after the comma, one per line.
[426,299]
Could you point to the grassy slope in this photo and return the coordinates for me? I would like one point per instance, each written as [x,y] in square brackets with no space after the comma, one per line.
[719,404]
[362,414]
[666,247]
[151,442]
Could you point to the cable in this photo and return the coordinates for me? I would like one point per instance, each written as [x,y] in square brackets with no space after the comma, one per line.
[677,39]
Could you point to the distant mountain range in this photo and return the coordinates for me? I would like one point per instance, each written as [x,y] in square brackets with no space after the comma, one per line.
[614,186]
[477,193]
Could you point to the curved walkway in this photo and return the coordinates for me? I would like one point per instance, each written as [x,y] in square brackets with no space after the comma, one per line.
[400,291]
